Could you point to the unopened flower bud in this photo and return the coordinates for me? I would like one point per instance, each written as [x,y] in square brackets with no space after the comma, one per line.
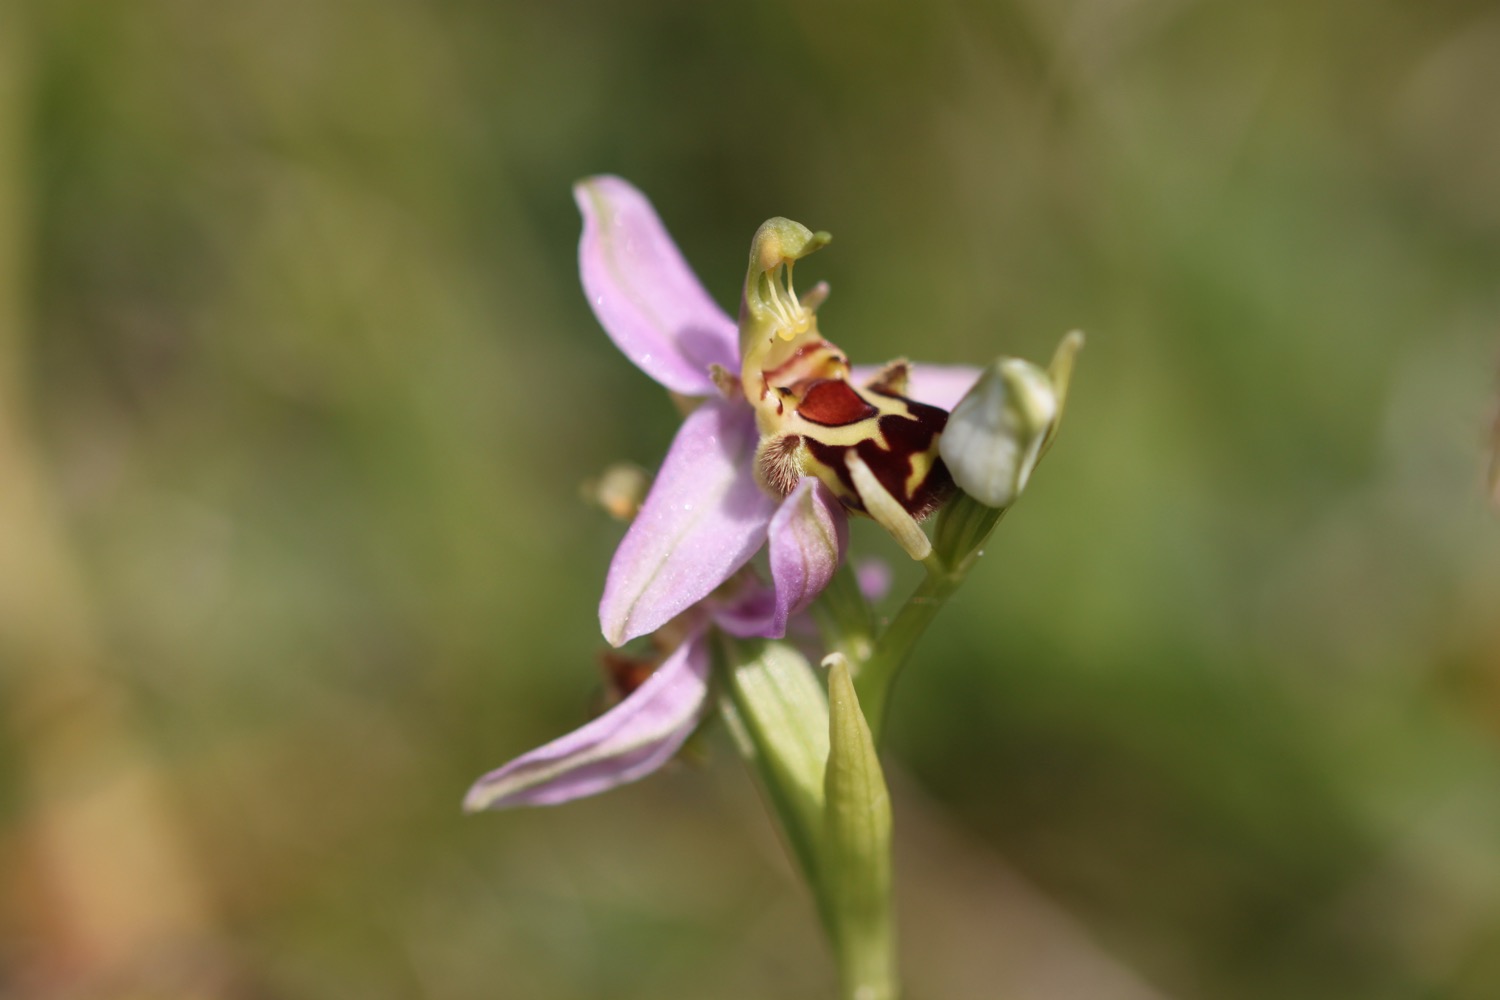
[995,433]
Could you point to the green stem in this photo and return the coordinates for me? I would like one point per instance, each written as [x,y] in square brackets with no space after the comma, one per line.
[963,528]
[878,673]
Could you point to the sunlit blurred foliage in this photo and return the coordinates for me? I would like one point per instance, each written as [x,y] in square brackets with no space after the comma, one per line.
[309,388]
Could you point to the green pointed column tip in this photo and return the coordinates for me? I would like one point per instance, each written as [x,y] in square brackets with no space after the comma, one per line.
[781,241]
[771,304]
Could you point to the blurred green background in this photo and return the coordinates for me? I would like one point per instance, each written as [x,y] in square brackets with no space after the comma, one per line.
[297,391]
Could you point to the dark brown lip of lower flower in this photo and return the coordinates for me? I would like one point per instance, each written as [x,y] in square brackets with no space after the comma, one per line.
[623,673]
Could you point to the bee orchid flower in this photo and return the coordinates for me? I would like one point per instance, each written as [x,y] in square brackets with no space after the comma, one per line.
[784,444]
[785,441]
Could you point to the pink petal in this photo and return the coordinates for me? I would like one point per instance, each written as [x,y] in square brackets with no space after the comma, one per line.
[808,536]
[746,613]
[631,740]
[646,297]
[935,385]
[703,519]
[874,577]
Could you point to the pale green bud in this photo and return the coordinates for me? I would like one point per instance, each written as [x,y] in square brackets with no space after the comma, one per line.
[995,433]
[857,845]
[778,714]
[1005,423]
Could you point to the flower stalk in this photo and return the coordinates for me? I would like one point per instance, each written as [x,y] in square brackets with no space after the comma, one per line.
[946,572]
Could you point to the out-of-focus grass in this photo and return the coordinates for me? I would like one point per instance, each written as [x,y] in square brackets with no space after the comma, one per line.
[301,387]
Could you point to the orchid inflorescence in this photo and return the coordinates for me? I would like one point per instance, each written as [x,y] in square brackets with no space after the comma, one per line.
[784,441]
